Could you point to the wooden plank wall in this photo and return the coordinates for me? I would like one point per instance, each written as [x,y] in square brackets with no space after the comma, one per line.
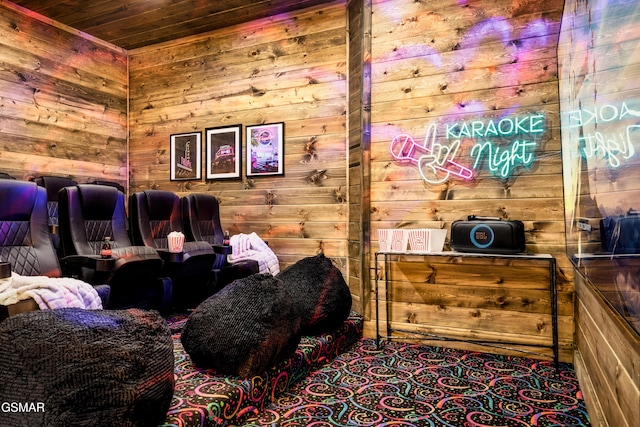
[359,95]
[599,67]
[607,360]
[132,24]
[63,103]
[446,61]
[289,68]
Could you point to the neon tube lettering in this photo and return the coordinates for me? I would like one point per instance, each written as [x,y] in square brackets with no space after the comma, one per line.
[437,163]
[525,125]
[491,129]
[612,147]
[502,161]
[600,114]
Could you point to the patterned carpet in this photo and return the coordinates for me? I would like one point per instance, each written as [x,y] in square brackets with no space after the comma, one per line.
[416,385]
[204,398]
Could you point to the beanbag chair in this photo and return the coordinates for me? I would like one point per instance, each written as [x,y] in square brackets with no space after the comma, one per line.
[244,329]
[320,293]
[73,366]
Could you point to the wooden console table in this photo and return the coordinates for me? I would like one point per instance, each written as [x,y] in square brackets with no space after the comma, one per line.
[388,259]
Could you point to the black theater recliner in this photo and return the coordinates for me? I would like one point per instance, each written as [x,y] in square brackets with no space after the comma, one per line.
[53,185]
[117,185]
[153,214]
[88,214]
[201,216]
[24,233]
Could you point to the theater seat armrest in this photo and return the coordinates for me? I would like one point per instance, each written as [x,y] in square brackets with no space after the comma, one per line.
[222,249]
[172,257]
[94,262]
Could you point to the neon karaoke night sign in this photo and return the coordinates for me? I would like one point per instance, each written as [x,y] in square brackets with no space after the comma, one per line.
[613,146]
[501,145]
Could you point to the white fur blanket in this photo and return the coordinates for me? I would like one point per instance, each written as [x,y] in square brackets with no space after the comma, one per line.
[251,246]
[49,292]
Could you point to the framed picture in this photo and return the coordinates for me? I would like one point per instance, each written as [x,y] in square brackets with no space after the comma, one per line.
[186,163]
[265,149]
[224,152]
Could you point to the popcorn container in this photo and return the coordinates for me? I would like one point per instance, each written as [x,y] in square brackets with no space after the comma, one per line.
[384,239]
[399,240]
[436,239]
[419,240]
[175,241]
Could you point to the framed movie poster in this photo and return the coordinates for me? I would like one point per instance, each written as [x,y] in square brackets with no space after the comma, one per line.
[186,163]
[265,149]
[224,152]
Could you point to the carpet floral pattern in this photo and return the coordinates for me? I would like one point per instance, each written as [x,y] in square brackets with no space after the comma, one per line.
[403,384]
[204,398]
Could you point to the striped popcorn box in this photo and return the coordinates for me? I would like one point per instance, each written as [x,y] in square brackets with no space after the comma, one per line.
[399,240]
[419,240]
[384,239]
[175,241]
[437,237]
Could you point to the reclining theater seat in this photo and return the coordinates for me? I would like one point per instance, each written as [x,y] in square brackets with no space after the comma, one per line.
[153,214]
[117,185]
[53,185]
[201,217]
[88,214]
[25,241]
[24,233]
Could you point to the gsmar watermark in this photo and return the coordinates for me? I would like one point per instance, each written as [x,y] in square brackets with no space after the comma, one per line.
[21,407]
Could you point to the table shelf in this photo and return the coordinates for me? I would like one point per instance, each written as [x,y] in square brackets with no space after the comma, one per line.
[384,258]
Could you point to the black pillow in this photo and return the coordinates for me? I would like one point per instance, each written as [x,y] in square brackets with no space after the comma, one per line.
[86,367]
[244,329]
[320,293]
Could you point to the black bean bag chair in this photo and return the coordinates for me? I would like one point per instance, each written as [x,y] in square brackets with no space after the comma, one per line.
[71,367]
[320,293]
[244,329]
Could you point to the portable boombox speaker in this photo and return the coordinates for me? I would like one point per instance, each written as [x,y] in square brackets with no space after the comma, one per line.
[487,235]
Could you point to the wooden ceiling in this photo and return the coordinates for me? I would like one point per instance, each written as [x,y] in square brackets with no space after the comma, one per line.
[130,24]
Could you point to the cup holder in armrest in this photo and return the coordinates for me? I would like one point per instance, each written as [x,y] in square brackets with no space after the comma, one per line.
[5,270]
[172,257]
[93,262]
[222,249]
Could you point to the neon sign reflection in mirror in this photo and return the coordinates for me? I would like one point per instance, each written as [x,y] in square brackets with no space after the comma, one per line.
[613,147]
[612,141]
[437,162]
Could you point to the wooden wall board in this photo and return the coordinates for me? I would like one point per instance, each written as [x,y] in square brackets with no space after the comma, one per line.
[137,23]
[287,69]
[359,93]
[443,62]
[494,299]
[611,356]
[63,107]
[260,32]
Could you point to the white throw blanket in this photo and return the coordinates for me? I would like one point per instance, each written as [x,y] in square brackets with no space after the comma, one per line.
[251,246]
[49,292]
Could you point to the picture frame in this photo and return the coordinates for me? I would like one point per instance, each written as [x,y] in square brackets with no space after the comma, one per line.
[186,156]
[265,149]
[223,152]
